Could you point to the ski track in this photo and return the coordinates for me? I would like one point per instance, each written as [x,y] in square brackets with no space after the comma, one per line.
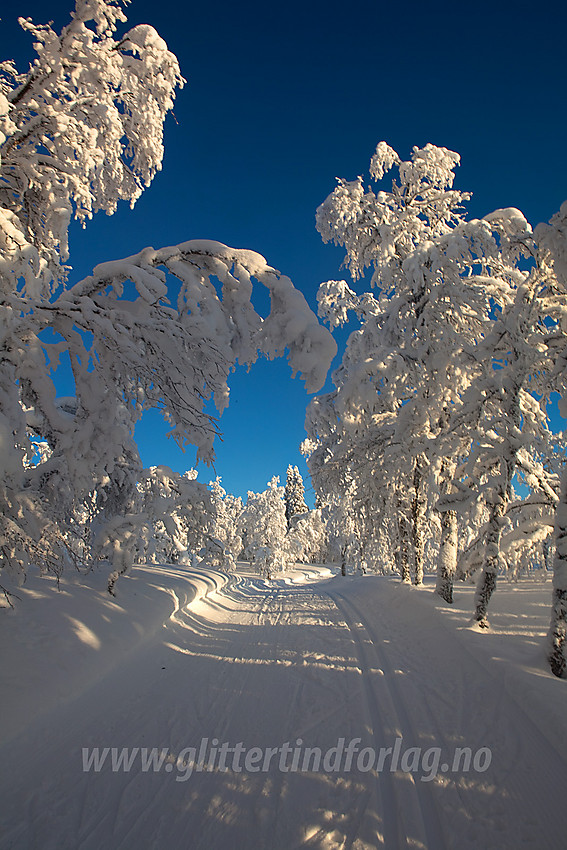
[267,663]
[414,818]
[513,804]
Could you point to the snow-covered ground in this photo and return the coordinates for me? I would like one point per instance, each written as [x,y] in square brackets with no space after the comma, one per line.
[272,680]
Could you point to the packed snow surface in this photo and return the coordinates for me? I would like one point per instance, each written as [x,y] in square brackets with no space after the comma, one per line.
[290,676]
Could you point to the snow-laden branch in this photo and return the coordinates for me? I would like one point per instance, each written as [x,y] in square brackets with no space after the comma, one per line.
[79,132]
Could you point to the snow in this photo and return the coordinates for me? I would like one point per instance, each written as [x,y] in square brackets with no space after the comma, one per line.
[188,654]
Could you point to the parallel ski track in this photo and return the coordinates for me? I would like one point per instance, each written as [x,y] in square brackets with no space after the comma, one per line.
[417,808]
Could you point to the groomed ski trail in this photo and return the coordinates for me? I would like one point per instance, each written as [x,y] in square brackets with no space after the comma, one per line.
[265,664]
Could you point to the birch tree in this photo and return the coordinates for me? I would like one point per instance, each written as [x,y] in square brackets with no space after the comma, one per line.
[552,256]
[80,131]
[263,528]
[452,336]
[406,360]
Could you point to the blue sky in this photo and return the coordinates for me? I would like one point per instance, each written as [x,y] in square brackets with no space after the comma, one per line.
[281,99]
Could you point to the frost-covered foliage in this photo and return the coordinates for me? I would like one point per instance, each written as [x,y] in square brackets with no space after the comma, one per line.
[268,541]
[263,528]
[225,544]
[344,532]
[552,260]
[178,515]
[440,401]
[306,540]
[80,131]
[404,367]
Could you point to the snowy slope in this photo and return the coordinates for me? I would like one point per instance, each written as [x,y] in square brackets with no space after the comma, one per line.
[310,661]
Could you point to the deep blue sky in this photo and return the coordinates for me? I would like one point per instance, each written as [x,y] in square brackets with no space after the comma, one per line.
[281,98]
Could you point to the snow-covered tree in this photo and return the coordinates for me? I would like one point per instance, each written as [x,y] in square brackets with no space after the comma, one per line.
[294,495]
[263,529]
[399,373]
[345,532]
[306,540]
[503,414]
[552,259]
[443,358]
[225,542]
[178,514]
[80,131]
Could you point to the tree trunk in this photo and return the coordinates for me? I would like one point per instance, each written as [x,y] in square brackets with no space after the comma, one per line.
[487,582]
[447,563]
[418,511]
[500,500]
[448,550]
[403,549]
[557,646]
